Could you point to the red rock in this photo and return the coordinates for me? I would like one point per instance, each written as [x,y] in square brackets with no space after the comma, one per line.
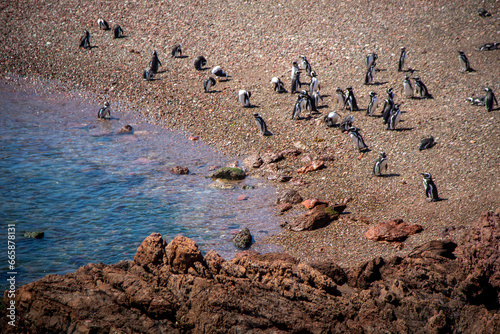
[181,254]
[393,230]
[312,166]
[283,207]
[194,138]
[317,217]
[253,161]
[312,202]
[271,157]
[179,170]
[151,251]
[242,198]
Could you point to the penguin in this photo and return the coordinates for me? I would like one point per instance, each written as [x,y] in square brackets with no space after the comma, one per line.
[331,119]
[394,118]
[402,59]
[117,31]
[341,98]
[199,63]
[357,139]
[380,165]
[208,83]
[154,63]
[351,100]
[305,65]
[388,105]
[421,89]
[295,69]
[464,62]
[307,101]
[85,40]
[176,51]
[148,75]
[369,75]
[426,143]
[489,99]
[278,85]
[261,124]
[316,97]
[431,191]
[314,85]
[297,108]
[346,123]
[372,106]
[244,97]
[407,87]
[370,60]
[477,101]
[219,73]
[103,25]
[483,12]
[489,47]
[105,110]
[295,83]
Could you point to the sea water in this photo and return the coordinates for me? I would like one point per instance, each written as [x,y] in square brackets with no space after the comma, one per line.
[97,194]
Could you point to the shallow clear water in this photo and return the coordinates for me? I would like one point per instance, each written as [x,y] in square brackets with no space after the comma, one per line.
[97,194]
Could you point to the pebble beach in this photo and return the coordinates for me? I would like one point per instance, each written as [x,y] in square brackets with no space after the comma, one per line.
[257,40]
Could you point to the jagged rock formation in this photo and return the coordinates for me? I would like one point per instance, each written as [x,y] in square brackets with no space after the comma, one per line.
[437,288]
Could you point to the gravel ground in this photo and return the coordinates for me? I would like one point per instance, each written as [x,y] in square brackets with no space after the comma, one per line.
[256,40]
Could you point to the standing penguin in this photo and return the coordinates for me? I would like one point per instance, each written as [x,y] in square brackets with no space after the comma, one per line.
[340,98]
[295,69]
[295,83]
[421,89]
[370,60]
[261,124]
[402,59]
[244,97]
[297,108]
[357,139]
[369,75]
[103,25]
[117,31]
[431,191]
[380,165]
[305,65]
[278,85]
[154,63]
[372,106]
[464,62]
[85,40]
[314,85]
[199,62]
[388,105]
[489,99]
[351,100]
[346,123]
[394,118]
[407,87]
[208,83]
[176,51]
[316,97]
[104,111]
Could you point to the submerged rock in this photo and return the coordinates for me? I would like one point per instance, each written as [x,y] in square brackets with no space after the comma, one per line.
[34,235]
[179,170]
[243,239]
[228,173]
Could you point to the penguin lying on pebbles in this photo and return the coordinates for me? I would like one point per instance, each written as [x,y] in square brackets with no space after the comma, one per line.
[219,73]
[103,25]
[199,63]
[278,85]
[427,143]
[244,97]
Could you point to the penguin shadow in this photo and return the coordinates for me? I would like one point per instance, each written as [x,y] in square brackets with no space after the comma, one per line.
[380,69]
[403,129]
[390,175]
[326,95]
[323,106]
[365,150]
[252,106]
[422,97]
[437,200]
[160,72]
[213,91]
[376,83]
[122,36]
[181,57]
[410,70]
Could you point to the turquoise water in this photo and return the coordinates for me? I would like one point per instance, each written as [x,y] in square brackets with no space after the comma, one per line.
[97,194]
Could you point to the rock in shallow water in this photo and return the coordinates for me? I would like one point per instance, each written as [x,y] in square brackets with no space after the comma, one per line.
[243,239]
[179,170]
[228,173]
[34,235]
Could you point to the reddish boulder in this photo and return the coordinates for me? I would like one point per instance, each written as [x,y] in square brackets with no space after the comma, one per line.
[312,202]
[393,230]
[312,166]
[289,196]
[271,157]
[253,161]
[315,218]
[182,253]
[151,251]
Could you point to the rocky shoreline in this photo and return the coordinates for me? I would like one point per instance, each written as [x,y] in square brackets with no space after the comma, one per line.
[439,287]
